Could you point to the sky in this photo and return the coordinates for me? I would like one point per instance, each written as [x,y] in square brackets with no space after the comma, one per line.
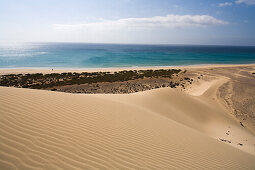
[205,22]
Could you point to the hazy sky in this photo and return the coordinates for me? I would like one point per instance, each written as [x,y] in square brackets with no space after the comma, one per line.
[129,21]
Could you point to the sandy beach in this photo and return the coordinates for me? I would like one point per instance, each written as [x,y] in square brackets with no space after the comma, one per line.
[112,69]
[209,124]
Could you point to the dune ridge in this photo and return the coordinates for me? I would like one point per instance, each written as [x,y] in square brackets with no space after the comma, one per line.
[157,129]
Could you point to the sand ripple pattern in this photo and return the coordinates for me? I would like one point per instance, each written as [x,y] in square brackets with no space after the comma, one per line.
[51,130]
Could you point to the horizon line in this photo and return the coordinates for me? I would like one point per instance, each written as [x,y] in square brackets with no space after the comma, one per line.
[109,43]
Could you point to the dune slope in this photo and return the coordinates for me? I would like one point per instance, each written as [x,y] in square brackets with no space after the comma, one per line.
[158,129]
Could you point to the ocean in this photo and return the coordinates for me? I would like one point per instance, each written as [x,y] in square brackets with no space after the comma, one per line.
[84,55]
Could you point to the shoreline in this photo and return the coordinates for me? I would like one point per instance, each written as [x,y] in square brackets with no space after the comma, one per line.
[43,70]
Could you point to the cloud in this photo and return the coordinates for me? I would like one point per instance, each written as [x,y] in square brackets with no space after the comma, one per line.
[225,4]
[169,21]
[247,2]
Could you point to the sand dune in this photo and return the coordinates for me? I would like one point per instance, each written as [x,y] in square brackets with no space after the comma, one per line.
[157,129]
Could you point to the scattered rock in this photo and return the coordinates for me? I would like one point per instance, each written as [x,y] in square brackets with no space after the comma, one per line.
[225,140]
[241,124]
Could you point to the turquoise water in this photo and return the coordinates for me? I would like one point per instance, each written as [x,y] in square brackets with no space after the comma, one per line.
[81,55]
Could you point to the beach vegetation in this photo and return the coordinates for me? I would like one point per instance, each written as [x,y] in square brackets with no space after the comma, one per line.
[44,81]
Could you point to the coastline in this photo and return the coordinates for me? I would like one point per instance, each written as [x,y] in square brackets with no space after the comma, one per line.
[111,69]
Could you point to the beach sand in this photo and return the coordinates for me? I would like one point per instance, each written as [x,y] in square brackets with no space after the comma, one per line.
[195,128]
[112,69]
